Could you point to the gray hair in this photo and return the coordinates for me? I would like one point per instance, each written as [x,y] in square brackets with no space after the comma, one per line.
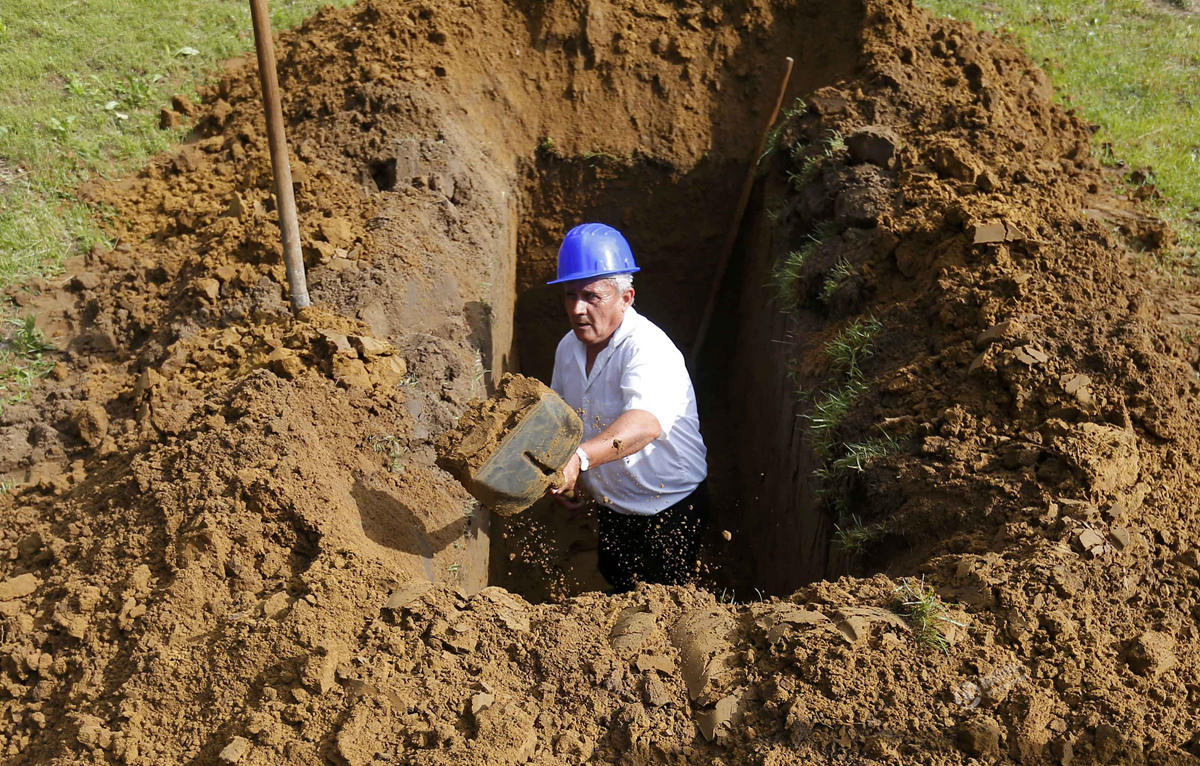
[622,282]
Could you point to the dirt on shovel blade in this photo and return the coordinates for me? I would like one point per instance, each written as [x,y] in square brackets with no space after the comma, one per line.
[502,456]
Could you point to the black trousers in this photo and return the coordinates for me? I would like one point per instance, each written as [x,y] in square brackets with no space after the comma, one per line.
[662,548]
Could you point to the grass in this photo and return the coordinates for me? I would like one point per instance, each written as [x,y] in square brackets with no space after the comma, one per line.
[845,351]
[835,144]
[80,89]
[786,274]
[23,359]
[852,345]
[807,172]
[852,537]
[925,614]
[860,454]
[829,411]
[389,446]
[1130,66]
[835,278]
[772,143]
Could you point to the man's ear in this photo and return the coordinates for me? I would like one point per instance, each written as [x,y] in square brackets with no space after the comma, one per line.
[627,297]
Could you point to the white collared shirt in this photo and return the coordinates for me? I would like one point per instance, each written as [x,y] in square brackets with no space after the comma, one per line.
[639,369]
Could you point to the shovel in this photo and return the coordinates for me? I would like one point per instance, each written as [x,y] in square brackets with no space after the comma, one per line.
[508,449]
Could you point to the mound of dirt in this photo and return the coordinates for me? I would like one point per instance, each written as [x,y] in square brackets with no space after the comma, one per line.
[230,541]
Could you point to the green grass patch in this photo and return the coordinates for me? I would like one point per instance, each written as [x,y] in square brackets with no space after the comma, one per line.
[835,144]
[925,613]
[860,454]
[852,345]
[806,173]
[829,411]
[835,278]
[389,446]
[1132,67]
[852,536]
[772,143]
[808,165]
[80,89]
[23,359]
[786,274]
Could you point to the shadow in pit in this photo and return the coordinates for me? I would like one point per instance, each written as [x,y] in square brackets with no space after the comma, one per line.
[392,524]
[546,552]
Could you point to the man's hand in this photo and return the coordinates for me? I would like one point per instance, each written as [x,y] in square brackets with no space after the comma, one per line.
[570,473]
[564,494]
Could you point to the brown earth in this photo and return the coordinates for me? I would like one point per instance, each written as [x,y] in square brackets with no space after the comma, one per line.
[230,541]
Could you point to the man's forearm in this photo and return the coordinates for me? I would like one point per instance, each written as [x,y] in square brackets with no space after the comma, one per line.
[632,431]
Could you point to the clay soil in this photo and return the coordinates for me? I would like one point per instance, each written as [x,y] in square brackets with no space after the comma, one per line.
[228,540]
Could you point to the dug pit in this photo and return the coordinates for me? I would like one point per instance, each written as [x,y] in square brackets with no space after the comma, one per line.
[648,123]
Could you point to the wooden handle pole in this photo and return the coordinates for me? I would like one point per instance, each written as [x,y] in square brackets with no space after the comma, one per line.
[285,199]
[739,212]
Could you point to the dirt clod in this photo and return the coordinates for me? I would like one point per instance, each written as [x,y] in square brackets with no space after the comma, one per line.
[980,737]
[18,587]
[235,751]
[874,144]
[1151,653]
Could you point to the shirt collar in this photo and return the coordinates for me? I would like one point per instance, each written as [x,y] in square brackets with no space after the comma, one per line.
[624,329]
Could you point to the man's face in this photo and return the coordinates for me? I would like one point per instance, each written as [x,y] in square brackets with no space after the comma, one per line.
[595,309]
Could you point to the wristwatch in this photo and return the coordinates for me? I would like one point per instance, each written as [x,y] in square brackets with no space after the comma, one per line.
[583,459]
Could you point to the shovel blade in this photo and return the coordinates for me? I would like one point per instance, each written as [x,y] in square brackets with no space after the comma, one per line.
[526,462]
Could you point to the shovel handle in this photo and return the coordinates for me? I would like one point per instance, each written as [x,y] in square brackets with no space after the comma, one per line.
[285,199]
[743,200]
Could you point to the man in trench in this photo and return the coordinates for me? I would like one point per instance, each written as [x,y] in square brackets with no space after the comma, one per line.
[642,459]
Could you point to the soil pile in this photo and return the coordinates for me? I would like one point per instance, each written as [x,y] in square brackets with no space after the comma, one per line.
[231,542]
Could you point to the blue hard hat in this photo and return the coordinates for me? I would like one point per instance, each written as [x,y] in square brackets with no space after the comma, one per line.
[591,251]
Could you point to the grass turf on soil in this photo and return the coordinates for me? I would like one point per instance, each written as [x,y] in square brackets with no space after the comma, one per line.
[80,89]
[1133,68]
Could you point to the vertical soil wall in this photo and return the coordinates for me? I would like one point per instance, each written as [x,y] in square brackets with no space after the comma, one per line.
[778,536]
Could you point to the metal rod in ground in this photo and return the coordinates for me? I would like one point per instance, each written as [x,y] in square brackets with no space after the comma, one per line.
[285,199]
[739,212]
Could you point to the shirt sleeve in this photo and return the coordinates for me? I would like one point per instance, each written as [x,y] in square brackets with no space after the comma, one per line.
[656,380]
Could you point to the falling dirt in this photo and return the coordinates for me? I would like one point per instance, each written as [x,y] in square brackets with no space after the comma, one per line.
[228,539]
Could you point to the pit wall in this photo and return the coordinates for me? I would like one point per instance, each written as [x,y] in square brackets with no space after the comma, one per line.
[778,536]
[442,242]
